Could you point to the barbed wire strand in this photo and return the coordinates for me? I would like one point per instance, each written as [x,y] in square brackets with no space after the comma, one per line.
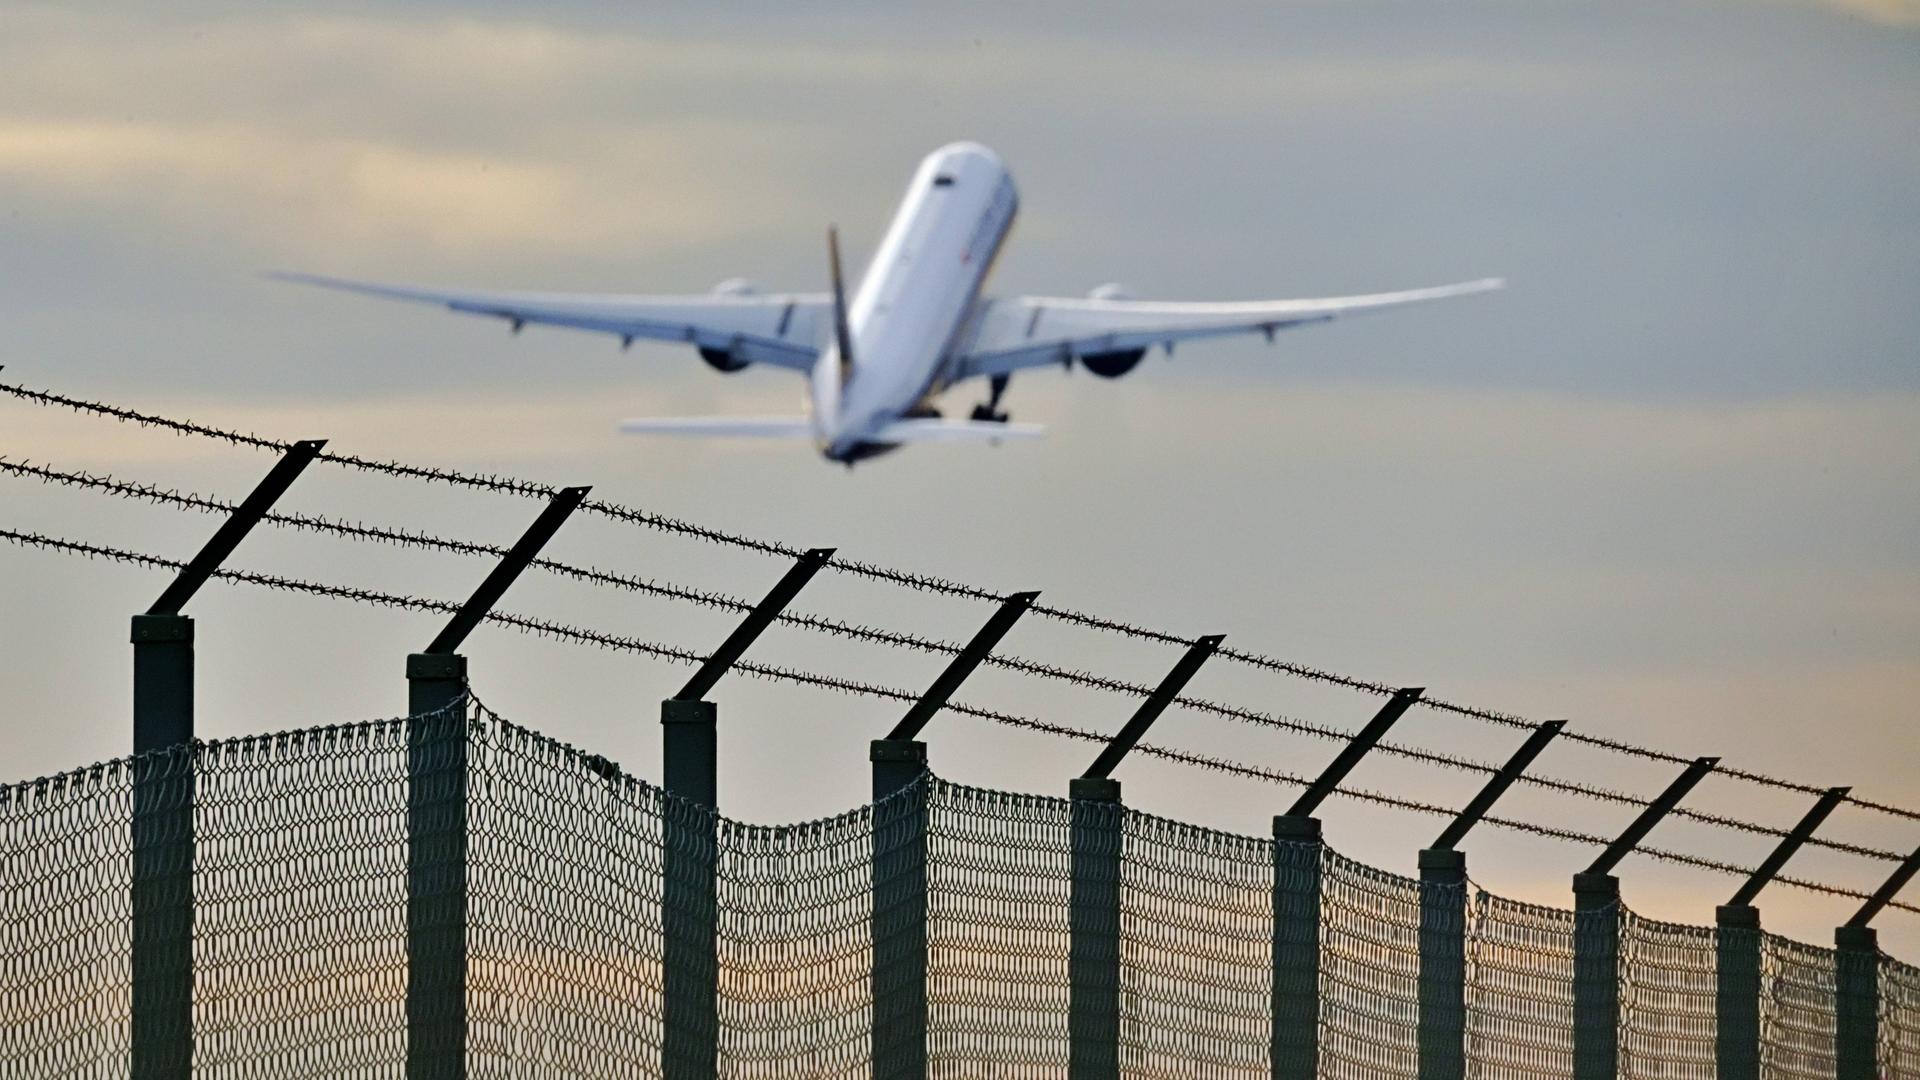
[109,484]
[562,632]
[922,582]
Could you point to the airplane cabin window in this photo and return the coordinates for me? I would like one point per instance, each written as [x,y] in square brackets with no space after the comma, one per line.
[943,181]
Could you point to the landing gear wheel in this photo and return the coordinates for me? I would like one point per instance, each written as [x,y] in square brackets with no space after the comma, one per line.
[989,412]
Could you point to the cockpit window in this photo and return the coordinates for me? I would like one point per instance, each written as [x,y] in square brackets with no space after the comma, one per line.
[943,180]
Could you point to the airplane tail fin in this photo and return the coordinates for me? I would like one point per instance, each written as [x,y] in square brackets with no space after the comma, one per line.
[766,427]
[843,337]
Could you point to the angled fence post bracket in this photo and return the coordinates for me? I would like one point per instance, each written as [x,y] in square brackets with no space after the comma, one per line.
[1596,936]
[899,916]
[689,731]
[1097,819]
[437,814]
[164,790]
[1443,920]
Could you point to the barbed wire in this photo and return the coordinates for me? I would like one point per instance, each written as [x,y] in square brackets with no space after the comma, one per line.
[919,581]
[109,484]
[562,632]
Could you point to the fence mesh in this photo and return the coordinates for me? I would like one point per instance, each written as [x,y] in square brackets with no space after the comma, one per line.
[1797,1021]
[997,885]
[575,877]
[1196,951]
[1369,970]
[1670,982]
[795,957]
[564,921]
[300,887]
[66,871]
[1900,1020]
[1519,990]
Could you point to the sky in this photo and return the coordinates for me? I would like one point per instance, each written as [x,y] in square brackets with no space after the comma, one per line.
[1662,487]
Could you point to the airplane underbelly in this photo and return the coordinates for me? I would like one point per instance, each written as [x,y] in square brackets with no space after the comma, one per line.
[895,371]
[900,350]
[922,282]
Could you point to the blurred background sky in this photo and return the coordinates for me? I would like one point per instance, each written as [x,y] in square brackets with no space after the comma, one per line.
[1664,486]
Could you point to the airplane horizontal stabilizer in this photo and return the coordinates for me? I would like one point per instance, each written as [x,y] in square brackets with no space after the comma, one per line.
[766,427]
[930,430]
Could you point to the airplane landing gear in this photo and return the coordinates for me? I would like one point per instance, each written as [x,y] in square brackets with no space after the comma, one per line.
[989,411]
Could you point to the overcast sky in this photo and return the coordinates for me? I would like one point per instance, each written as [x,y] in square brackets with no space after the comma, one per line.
[1664,486]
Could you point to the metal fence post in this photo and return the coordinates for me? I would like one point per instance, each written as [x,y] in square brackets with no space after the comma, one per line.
[1295,1037]
[1736,1002]
[437,810]
[161,892]
[899,925]
[1097,843]
[899,919]
[436,866]
[1443,919]
[1736,1047]
[1596,935]
[1596,976]
[162,895]
[1857,1003]
[1857,981]
[1094,926]
[1443,964]
[689,908]
[1294,1041]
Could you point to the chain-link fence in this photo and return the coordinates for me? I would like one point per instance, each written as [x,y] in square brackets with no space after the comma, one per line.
[306,933]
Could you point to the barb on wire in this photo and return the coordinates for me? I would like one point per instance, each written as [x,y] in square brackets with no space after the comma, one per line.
[910,579]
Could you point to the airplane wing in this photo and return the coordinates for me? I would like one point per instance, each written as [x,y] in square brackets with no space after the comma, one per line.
[776,329]
[1035,330]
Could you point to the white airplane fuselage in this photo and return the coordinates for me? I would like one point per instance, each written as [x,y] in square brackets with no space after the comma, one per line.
[912,305]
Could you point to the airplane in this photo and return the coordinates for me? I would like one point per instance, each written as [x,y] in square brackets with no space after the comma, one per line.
[916,325]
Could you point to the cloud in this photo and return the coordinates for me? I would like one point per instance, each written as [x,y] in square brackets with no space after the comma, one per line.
[342,135]
[1885,12]
[335,195]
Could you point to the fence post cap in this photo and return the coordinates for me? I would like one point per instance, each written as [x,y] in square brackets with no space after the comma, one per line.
[1443,859]
[1296,827]
[436,666]
[897,750]
[1103,789]
[148,628]
[1596,885]
[682,711]
[1856,939]
[1737,917]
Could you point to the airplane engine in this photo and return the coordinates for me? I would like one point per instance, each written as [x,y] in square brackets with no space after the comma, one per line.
[721,359]
[1112,365]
